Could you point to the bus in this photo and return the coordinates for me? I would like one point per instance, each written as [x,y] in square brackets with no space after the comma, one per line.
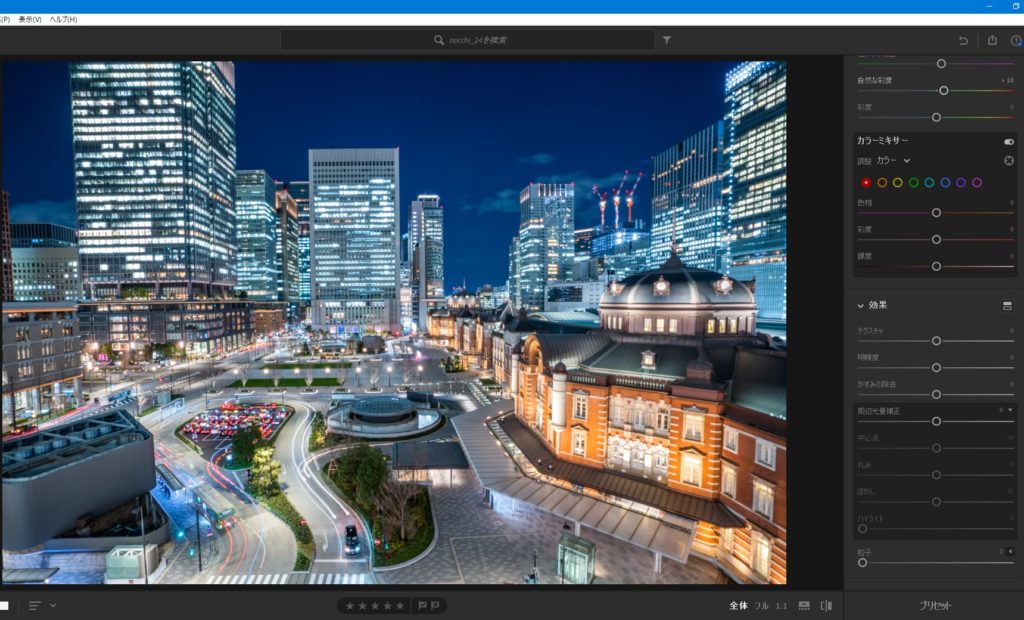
[218,510]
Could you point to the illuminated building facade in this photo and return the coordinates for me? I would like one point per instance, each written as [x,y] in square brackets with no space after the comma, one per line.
[512,284]
[46,274]
[676,406]
[203,327]
[45,262]
[687,208]
[546,247]
[583,241]
[354,240]
[257,234]
[154,161]
[617,253]
[42,359]
[426,255]
[573,295]
[755,152]
[287,250]
[6,277]
[299,191]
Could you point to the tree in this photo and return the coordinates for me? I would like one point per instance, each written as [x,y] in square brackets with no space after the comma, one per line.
[265,472]
[305,349]
[309,375]
[374,373]
[342,371]
[243,443]
[276,374]
[371,476]
[317,433]
[243,294]
[393,503]
[246,366]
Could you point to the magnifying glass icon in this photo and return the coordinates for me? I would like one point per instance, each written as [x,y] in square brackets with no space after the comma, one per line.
[438,39]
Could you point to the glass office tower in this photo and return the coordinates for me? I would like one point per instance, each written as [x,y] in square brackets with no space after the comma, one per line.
[687,208]
[755,121]
[299,191]
[287,250]
[546,239]
[257,232]
[354,240]
[426,256]
[154,160]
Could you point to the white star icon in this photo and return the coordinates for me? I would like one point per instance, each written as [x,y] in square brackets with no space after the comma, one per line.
[349,606]
[362,605]
[375,606]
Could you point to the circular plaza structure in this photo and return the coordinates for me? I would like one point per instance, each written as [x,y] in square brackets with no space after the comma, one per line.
[382,417]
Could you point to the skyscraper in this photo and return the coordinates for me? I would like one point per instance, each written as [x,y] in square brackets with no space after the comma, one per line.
[546,239]
[154,158]
[755,121]
[686,201]
[426,255]
[299,191]
[6,277]
[257,232]
[354,238]
[584,239]
[287,250]
[512,284]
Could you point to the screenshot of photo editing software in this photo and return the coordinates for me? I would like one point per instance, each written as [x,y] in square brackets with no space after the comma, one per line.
[513,310]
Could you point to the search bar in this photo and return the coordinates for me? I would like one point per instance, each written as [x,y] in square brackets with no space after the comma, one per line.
[483,40]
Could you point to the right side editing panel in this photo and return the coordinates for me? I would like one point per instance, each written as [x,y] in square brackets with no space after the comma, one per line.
[932,300]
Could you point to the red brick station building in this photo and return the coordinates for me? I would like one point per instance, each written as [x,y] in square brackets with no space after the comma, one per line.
[676,404]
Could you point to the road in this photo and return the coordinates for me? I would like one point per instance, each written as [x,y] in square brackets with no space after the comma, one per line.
[258,543]
[258,548]
[326,514]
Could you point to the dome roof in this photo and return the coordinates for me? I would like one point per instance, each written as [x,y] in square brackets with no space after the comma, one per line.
[675,284]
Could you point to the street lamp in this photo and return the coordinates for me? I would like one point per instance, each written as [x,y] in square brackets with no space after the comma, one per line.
[359,376]
[419,370]
[389,375]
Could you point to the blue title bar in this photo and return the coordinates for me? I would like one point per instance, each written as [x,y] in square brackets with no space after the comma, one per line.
[942,7]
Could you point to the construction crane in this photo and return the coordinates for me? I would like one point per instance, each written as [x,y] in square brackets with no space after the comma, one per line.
[629,198]
[603,198]
[616,198]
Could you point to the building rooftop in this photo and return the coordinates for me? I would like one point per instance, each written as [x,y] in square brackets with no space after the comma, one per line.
[29,306]
[580,319]
[385,406]
[49,449]
[678,285]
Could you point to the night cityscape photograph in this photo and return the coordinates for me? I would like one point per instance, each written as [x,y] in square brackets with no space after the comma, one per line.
[348,323]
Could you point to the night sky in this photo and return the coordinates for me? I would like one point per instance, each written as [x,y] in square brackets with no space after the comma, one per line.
[473,132]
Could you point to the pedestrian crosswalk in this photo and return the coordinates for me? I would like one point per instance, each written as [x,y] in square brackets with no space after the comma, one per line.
[281,579]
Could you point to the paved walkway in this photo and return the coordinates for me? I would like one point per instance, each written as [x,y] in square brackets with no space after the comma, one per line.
[478,545]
